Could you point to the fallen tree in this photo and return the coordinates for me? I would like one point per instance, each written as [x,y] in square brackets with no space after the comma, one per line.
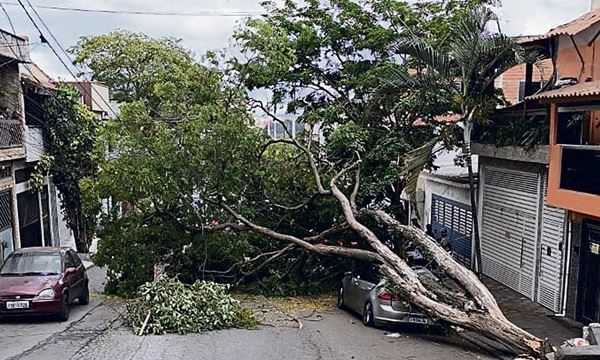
[191,164]
[476,308]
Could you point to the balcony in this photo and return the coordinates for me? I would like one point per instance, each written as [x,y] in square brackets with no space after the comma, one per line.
[11,140]
[574,176]
[11,134]
[580,168]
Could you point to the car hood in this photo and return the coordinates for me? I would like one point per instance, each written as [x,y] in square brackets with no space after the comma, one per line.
[26,285]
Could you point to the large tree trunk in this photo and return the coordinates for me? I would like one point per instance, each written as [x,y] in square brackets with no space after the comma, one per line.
[475,309]
[486,318]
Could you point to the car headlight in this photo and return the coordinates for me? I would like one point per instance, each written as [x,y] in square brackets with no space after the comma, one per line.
[46,294]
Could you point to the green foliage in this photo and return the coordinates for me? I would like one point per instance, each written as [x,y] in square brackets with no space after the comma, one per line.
[157,71]
[471,53]
[511,130]
[70,140]
[174,307]
[186,141]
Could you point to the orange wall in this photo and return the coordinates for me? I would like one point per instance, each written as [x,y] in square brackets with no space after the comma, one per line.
[568,61]
[582,203]
[510,80]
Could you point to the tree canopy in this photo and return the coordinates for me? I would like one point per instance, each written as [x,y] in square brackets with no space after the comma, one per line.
[191,173]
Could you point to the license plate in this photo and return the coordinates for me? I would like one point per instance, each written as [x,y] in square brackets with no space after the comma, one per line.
[13,305]
[417,320]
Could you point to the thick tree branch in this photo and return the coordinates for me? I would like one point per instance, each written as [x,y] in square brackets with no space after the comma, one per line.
[354,194]
[313,165]
[319,249]
[389,257]
[463,276]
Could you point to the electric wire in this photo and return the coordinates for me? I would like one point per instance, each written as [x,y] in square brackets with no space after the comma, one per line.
[199,13]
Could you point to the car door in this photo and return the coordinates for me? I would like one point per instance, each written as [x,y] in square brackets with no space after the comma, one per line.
[81,274]
[351,292]
[72,279]
[369,278]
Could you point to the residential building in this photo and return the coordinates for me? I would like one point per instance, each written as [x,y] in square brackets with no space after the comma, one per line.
[539,173]
[444,203]
[30,217]
[96,97]
[13,51]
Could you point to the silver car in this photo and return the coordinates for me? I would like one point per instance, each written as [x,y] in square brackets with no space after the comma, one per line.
[363,291]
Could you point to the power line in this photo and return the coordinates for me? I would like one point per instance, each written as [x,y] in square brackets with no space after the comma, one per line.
[63,50]
[199,13]
[12,26]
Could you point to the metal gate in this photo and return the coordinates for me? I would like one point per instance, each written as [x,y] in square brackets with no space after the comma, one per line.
[551,255]
[6,233]
[456,221]
[509,231]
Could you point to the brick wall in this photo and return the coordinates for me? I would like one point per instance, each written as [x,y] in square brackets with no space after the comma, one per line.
[511,79]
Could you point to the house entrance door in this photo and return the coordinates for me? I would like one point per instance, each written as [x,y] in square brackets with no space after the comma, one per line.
[590,273]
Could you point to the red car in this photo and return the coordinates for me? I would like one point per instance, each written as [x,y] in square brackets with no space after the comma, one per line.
[42,281]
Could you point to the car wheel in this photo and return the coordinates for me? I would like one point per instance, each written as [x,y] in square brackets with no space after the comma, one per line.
[63,315]
[340,298]
[367,317]
[84,299]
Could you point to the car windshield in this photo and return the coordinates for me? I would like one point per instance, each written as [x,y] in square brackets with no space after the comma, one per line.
[31,264]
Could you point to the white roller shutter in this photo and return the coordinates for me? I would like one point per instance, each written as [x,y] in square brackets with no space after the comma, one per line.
[509,231]
[551,256]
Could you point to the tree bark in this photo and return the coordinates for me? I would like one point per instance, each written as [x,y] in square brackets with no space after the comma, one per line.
[480,314]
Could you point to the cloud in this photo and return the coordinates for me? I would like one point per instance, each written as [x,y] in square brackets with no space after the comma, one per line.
[531,17]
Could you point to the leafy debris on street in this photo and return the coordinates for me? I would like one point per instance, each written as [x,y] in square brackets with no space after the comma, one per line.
[170,306]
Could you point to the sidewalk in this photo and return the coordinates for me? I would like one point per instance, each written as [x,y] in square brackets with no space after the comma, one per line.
[532,317]
[87,262]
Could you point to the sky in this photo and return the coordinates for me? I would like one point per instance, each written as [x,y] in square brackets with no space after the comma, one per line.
[200,34]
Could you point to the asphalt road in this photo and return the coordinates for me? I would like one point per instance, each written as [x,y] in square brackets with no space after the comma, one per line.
[96,332]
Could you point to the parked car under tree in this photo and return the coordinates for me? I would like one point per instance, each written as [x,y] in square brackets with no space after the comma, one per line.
[363,291]
[42,281]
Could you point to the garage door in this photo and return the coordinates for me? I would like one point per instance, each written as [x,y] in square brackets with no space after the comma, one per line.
[510,227]
[454,220]
[551,255]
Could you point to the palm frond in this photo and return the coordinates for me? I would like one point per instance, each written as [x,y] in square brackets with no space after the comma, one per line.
[420,50]
[414,162]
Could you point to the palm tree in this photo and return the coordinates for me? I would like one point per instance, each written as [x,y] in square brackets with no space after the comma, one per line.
[465,68]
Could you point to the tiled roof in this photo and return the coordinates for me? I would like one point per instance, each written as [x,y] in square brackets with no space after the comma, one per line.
[571,28]
[591,88]
[525,39]
[444,119]
[576,26]
[36,75]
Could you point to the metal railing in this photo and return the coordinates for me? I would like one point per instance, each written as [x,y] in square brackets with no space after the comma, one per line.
[11,134]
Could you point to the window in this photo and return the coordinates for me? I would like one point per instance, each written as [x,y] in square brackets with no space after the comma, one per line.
[570,127]
[23,175]
[367,272]
[69,260]
[76,259]
[35,263]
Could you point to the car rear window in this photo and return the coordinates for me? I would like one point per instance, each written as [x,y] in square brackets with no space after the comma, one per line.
[32,264]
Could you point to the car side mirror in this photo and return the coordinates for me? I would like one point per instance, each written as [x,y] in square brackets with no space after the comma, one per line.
[70,270]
